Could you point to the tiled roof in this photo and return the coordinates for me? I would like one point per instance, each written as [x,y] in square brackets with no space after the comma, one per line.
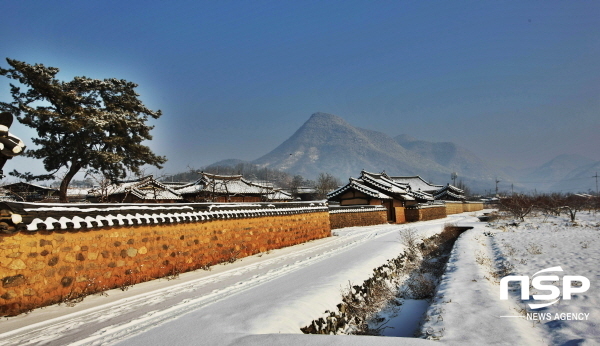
[145,188]
[358,185]
[231,185]
[449,190]
[40,187]
[383,182]
[421,195]
[279,195]
[355,209]
[417,183]
[53,216]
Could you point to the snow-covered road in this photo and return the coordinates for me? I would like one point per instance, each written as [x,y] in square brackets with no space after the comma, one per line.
[276,292]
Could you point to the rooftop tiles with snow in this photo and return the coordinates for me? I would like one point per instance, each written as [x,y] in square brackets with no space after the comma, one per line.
[50,216]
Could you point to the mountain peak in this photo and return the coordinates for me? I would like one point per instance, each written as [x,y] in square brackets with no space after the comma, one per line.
[320,117]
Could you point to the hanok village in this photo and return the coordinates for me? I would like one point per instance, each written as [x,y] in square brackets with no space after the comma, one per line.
[126,232]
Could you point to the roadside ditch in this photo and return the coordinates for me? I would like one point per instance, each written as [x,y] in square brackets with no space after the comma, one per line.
[392,302]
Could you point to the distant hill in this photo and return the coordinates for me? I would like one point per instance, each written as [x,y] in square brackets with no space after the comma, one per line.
[453,157]
[549,174]
[327,143]
[227,163]
[579,179]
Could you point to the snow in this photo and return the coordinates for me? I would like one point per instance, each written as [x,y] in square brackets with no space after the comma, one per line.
[133,216]
[467,308]
[355,209]
[265,299]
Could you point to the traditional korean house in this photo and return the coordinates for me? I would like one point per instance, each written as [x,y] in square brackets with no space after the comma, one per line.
[278,195]
[30,192]
[449,193]
[417,184]
[7,196]
[143,190]
[229,188]
[77,195]
[379,189]
[306,193]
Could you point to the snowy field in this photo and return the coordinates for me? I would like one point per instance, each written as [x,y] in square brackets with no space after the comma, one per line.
[265,299]
[467,308]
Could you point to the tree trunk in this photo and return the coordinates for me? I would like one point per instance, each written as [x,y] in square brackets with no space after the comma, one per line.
[64,184]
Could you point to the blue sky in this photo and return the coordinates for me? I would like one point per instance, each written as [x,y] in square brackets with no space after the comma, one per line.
[515,81]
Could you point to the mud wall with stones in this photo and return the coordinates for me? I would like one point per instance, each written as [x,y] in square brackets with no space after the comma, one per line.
[424,213]
[472,206]
[43,267]
[453,207]
[400,215]
[340,217]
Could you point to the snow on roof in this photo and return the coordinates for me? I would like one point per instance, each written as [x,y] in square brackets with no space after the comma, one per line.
[417,183]
[359,185]
[77,192]
[146,188]
[305,189]
[448,193]
[279,195]
[451,191]
[382,181]
[421,195]
[221,177]
[225,184]
[8,186]
[355,209]
[583,195]
[60,216]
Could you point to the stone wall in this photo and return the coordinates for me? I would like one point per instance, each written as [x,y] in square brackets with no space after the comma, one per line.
[424,213]
[55,253]
[340,217]
[43,267]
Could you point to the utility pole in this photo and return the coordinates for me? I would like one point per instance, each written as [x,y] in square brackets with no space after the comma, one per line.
[597,195]
[512,187]
[596,176]
[453,176]
[497,181]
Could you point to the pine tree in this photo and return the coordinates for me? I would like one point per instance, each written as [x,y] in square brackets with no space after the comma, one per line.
[92,124]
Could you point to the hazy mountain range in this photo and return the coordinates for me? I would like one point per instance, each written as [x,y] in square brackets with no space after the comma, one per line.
[327,143]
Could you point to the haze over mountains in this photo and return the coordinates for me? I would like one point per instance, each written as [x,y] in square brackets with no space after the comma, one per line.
[327,143]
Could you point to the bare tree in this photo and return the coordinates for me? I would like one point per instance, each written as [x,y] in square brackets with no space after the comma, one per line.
[550,203]
[574,204]
[102,185]
[461,185]
[325,184]
[295,185]
[517,205]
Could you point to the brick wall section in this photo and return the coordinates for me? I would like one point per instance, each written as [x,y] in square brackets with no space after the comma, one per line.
[426,213]
[47,267]
[400,215]
[454,207]
[341,220]
[472,206]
